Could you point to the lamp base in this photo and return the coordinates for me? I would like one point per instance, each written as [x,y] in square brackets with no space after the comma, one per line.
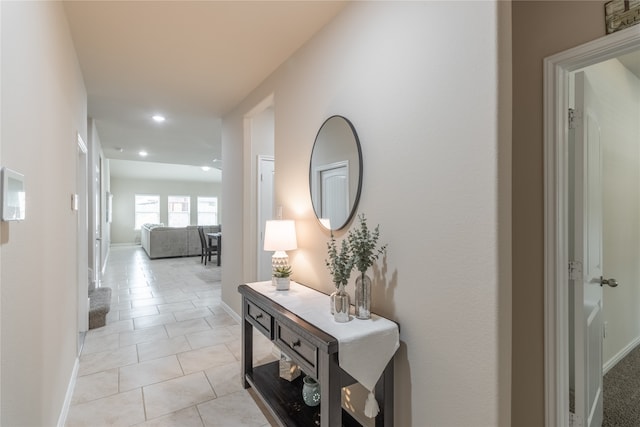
[278,259]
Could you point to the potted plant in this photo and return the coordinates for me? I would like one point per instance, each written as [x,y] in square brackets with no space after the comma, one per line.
[365,252]
[340,265]
[282,274]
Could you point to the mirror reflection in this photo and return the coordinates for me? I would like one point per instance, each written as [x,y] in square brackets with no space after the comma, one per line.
[335,173]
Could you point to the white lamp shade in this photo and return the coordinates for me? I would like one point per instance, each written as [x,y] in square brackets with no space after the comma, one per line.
[280,235]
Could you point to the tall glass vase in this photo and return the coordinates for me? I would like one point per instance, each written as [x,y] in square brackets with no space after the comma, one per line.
[340,304]
[363,297]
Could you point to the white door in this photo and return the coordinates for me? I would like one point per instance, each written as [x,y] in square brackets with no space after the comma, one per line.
[265,212]
[588,332]
[334,185]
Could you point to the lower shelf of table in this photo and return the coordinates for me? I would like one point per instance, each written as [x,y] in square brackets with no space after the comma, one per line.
[284,398]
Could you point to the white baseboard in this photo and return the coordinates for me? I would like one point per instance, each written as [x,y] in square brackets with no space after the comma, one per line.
[62,420]
[620,355]
[231,313]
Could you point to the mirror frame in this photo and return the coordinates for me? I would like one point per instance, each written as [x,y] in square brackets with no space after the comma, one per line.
[356,200]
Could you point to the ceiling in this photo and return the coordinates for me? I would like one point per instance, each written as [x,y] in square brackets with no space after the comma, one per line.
[191,61]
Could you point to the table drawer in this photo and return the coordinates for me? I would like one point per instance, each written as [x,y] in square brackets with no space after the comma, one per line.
[259,318]
[298,348]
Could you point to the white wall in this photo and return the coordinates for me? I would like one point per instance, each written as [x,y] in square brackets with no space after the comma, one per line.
[436,174]
[618,109]
[124,191]
[43,108]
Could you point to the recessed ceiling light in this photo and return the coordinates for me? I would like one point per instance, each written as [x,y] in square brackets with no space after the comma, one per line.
[143,153]
[205,168]
[158,118]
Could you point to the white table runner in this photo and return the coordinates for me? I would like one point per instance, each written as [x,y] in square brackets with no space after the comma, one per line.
[365,347]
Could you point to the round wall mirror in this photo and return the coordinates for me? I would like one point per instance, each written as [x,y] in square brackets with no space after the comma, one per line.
[335,173]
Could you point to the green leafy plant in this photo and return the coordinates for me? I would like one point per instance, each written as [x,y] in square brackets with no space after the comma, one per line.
[340,262]
[363,244]
[282,271]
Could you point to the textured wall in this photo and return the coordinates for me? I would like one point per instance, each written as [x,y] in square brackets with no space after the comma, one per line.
[540,29]
[430,132]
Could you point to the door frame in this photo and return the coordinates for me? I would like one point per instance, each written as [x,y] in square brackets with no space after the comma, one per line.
[260,220]
[80,206]
[557,69]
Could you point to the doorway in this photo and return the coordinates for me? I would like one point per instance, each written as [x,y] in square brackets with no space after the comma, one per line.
[82,273]
[558,72]
[259,128]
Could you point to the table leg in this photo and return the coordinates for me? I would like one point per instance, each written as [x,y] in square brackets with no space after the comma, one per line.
[219,239]
[384,396]
[330,390]
[246,364]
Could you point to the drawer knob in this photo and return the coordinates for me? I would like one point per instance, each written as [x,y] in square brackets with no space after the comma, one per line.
[259,316]
[296,343]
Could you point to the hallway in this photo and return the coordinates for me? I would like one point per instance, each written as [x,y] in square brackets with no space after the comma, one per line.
[169,354]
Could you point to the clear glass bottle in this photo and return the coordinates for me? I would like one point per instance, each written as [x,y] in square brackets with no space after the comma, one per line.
[363,297]
[341,303]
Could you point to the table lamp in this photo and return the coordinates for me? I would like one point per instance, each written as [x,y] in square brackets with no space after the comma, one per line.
[280,236]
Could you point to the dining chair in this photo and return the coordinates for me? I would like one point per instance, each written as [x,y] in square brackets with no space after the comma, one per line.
[207,250]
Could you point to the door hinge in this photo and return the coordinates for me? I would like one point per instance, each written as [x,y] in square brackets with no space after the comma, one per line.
[573,116]
[575,270]
[575,420]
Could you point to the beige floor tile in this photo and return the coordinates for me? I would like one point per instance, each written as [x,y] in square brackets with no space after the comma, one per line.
[104,360]
[179,393]
[189,417]
[195,313]
[233,410]
[176,306]
[97,343]
[155,320]
[187,327]
[205,358]
[225,379]
[179,297]
[138,312]
[222,319]
[146,302]
[95,386]
[149,372]
[161,348]
[210,337]
[138,336]
[122,409]
[148,297]
[111,328]
[207,302]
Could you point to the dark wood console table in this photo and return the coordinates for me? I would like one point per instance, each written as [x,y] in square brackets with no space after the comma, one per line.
[316,352]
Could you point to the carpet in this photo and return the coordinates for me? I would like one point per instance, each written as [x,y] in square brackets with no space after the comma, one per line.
[621,392]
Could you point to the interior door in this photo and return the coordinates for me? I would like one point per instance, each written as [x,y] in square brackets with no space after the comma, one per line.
[334,187]
[587,264]
[265,212]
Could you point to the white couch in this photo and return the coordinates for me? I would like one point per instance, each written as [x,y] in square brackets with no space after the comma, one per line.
[164,242]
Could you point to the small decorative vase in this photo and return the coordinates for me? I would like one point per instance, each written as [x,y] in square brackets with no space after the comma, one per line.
[282,283]
[363,297]
[310,391]
[332,299]
[340,304]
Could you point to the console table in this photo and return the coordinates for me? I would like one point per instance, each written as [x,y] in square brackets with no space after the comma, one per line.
[313,349]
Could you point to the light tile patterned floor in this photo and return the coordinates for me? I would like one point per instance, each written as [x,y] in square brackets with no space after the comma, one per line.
[169,354]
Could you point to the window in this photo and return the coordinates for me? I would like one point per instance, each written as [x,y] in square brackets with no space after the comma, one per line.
[207,210]
[179,211]
[147,209]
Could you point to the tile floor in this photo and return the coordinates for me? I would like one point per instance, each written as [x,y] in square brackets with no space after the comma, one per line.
[169,354]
